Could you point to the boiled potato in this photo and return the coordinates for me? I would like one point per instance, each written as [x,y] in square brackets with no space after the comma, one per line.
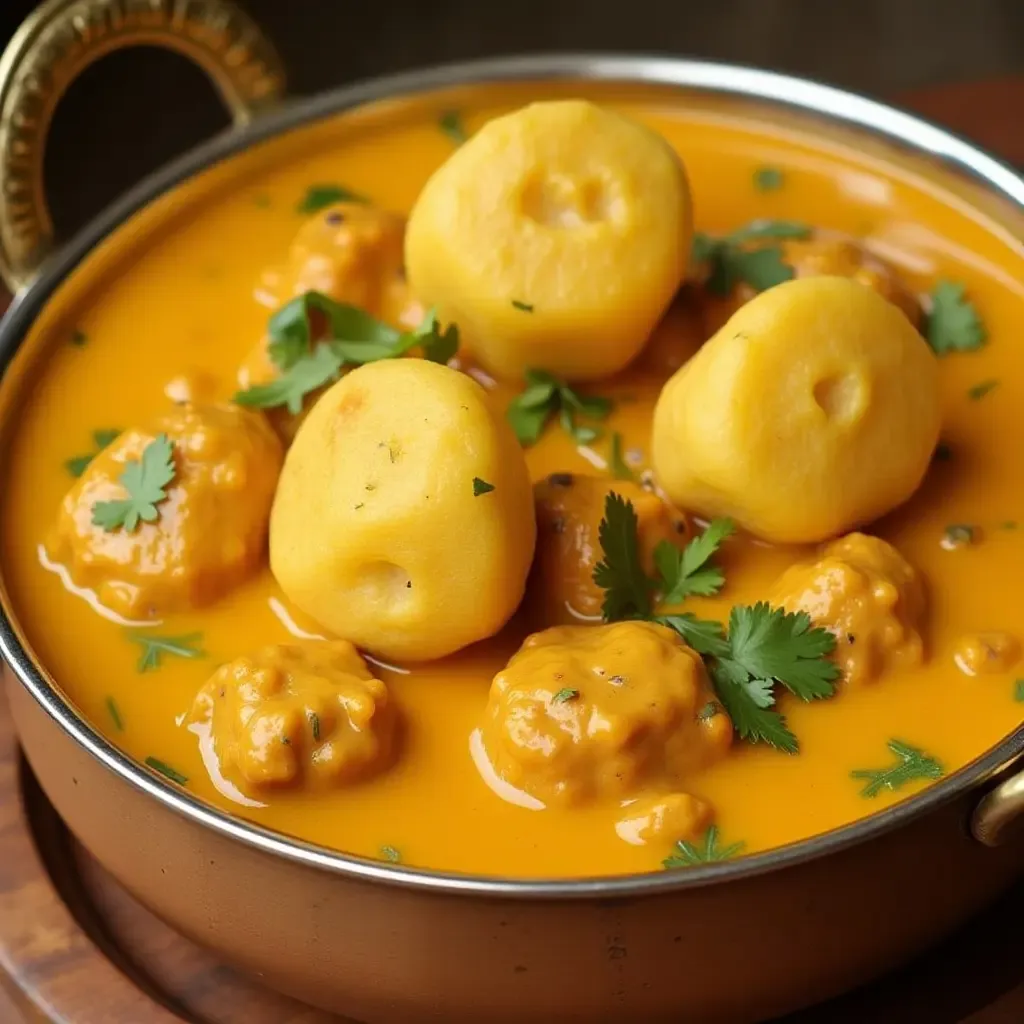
[403,519]
[813,410]
[555,238]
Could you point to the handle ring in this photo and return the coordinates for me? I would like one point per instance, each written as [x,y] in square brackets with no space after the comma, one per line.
[62,38]
[998,810]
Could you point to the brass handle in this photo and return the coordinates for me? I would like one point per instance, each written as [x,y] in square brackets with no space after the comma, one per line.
[63,37]
[997,810]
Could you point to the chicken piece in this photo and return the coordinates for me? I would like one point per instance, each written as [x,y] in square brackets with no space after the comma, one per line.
[569,511]
[664,819]
[986,653]
[210,531]
[862,590]
[585,712]
[303,714]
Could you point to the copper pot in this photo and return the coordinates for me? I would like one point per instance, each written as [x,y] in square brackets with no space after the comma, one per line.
[737,941]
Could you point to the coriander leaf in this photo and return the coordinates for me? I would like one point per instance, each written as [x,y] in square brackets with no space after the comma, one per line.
[438,346]
[78,464]
[1018,691]
[762,268]
[145,480]
[166,770]
[155,647]
[688,854]
[595,406]
[527,422]
[565,694]
[685,572]
[705,636]
[771,643]
[580,433]
[616,462]
[450,122]
[752,721]
[768,179]
[540,390]
[115,714]
[481,487]
[981,390]
[310,372]
[523,307]
[389,853]
[546,396]
[620,574]
[319,196]
[953,325]
[912,765]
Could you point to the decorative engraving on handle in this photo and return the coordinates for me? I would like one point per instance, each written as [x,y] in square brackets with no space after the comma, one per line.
[998,810]
[63,37]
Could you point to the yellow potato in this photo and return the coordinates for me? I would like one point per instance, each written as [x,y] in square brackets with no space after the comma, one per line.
[575,212]
[383,529]
[814,410]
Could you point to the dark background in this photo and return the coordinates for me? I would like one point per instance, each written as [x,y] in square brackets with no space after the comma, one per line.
[135,110]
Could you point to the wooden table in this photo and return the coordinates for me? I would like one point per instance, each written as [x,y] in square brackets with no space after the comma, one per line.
[75,948]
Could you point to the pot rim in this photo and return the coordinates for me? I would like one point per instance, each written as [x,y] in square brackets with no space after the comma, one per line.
[730,80]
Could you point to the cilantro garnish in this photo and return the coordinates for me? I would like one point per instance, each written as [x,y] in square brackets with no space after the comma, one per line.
[145,480]
[166,770]
[318,197]
[78,464]
[1018,691]
[450,122]
[953,325]
[685,572]
[768,179]
[523,307]
[617,463]
[761,267]
[155,647]
[389,853]
[980,390]
[352,338]
[688,855]
[763,647]
[481,487]
[546,396]
[564,695]
[115,714]
[912,765]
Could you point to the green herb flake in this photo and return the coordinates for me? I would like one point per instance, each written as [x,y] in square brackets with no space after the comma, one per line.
[79,338]
[912,765]
[621,469]
[953,324]
[450,122]
[314,725]
[78,464]
[686,572]
[1018,691]
[768,179]
[959,535]
[115,714]
[731,259]
[545,397]
[319,197]
[981,389]
[627,589]
[390,854]
[523,307]
[481,487]
[155,647]
[709,711]
[145,480]
[166,770]
[564,695]
[688,855]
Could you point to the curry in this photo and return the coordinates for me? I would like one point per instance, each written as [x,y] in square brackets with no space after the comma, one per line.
[648,497]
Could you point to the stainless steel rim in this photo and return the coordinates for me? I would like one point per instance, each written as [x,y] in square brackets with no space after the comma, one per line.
[837,105]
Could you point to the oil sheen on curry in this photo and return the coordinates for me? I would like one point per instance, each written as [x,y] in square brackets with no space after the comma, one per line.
[537,486]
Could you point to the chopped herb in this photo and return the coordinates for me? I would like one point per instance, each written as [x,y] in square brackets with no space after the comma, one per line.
[764,646]
[450,122]
[523,307]
[958,535]
[318,197]
[616,461]
[79,338]
[481,487]
[78,464]
[688,855]
[166,770]
[709,711]
[982,389]
[155,647]
[389,853]
[115,714]
[544,397]
[953,325]
[105,436]
[761,267]
[565,694]
[685,572]
[768,179]
[912,765]
[314,724]
[943,452]
[145,481]
[1018,690]
[353,339]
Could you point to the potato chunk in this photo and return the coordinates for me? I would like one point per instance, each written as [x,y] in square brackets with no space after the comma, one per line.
[583,712]
[404,516]
[569,511]
[815,409]
[211,530]
[574,212]
[866,593]
[307,713]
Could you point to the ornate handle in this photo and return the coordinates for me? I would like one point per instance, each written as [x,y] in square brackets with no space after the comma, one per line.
[63,37]
[997,810]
